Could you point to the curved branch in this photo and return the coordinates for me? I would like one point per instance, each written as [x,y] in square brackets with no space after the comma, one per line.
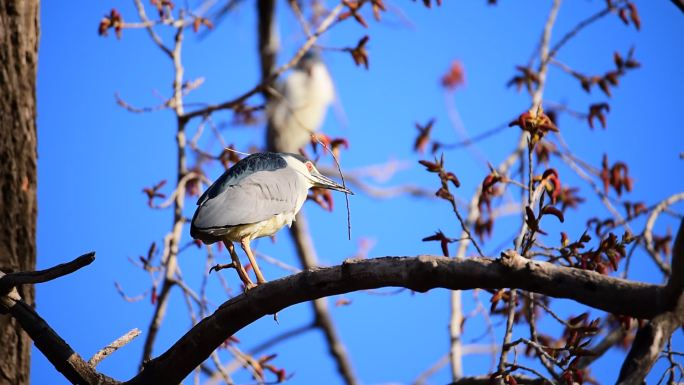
[639,300]
[650,340]
[679,4]
[648,230]
[8,281]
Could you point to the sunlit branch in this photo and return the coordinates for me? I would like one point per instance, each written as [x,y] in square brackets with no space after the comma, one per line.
[650,223]
[114,346]
[651,339]
[325,24]
[420,274]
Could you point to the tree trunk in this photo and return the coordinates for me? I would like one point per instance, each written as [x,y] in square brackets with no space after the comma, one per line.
[18,61]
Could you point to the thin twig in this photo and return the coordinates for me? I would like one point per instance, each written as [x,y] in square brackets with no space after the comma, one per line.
[277,262]
[8,281]
[474,139]
[294,4]
[508,334]
[114,346]
[139,110]
[533,334]
[518,366]
[580,26]
[544,54]
[339,171]
[148,25]
[324,26]
[648,230]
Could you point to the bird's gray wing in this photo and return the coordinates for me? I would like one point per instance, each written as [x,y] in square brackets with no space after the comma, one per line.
[247,166]
[256,197]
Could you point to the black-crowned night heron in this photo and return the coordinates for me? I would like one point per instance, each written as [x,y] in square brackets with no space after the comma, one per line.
[255,198]
[299,109]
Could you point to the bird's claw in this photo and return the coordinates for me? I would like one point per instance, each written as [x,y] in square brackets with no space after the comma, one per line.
[248,286]
[219,267]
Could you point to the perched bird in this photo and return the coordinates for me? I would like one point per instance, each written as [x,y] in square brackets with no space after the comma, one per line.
[302,103]
[255,198]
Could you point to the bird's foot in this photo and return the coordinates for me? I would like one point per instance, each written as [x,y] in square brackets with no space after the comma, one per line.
[248,286]
[219,267]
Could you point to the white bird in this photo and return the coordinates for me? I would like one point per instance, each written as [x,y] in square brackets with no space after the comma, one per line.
[301,107]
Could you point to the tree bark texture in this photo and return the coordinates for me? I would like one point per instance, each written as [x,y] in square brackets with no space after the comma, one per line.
[19,32]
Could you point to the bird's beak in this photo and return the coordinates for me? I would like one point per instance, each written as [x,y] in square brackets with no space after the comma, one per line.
[320,180]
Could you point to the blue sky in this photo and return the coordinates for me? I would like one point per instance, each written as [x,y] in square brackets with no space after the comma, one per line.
[95,158]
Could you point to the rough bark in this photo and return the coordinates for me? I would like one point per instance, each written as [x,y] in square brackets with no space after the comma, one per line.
[651,338]
[634,299]
[18,60]
[423,273]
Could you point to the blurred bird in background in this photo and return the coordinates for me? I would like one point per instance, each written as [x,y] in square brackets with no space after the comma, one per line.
[299,108]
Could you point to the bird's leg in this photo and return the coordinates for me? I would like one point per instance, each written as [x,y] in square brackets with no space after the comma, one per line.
[245,246]
[238,266]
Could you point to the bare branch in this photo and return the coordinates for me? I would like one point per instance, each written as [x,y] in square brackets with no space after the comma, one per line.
[444,360]
[354,178]
[169,261]
[329,20]
[114,346]
[543,57]
[650,223]
[487,380]
[8,281]
[646,348]
[580,26]
[679,4]
[55,349]
[508,334]
[651,338]
[473,139]
[149,26]
[455,333]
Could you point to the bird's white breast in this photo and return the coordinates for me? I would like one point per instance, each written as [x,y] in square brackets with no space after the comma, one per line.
[260,229]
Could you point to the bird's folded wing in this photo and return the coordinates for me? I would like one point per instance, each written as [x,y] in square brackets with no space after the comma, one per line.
[255,198]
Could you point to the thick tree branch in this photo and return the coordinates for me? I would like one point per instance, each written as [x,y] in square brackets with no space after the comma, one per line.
[55,349]
[651,339]
[487,380]
[422,273]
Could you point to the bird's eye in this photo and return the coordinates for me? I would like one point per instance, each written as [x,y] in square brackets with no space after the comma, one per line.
[309,166]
